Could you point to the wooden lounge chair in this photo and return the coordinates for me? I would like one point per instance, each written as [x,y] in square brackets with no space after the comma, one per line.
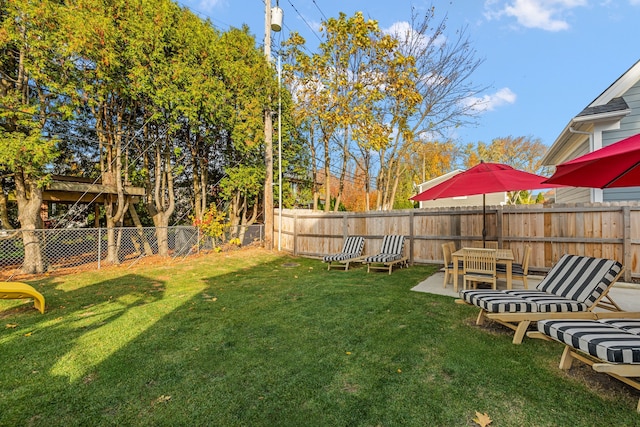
[351,251]
[391,253]
[19,290]
[608,342]
[574,284]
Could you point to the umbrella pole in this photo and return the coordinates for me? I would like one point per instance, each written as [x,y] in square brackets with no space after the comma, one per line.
[484,221]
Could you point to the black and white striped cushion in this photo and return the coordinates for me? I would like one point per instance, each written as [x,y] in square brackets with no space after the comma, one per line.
[599,339]
[629,325]
[580,278]
[498,301]
[548,303]
[352,248]
[392,244]
[391,250]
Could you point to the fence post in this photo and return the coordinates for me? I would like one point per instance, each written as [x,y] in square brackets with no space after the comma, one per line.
[499,236]
[411,236]
[295,233]
[626,242]
[99,246]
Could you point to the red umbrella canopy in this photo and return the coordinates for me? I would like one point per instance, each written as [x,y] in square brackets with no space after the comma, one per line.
[482,179]
[616,165]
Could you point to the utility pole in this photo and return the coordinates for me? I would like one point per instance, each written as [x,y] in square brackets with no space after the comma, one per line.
[268,140]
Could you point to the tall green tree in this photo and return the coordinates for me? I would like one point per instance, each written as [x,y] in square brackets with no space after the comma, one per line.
[28,31]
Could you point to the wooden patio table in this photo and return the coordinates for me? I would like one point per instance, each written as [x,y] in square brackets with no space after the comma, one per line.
[503,256]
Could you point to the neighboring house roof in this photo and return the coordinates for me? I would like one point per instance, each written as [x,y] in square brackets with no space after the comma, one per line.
[473,200]
[437,180]
[608,107]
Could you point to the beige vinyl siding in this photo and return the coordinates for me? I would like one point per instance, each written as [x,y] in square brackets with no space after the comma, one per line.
[492,199]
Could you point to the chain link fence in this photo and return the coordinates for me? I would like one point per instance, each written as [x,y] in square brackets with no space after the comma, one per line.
[71,250]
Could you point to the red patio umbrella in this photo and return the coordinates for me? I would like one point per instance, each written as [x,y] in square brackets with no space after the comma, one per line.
[482,179]
[616,165]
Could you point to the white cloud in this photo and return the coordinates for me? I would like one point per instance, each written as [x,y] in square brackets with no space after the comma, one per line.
[209,5]
[405,34]
[492,101]
[543,14]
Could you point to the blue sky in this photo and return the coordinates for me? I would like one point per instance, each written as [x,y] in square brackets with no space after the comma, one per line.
[544,60]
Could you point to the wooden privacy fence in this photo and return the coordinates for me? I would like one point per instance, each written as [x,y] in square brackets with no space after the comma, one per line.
[607,230]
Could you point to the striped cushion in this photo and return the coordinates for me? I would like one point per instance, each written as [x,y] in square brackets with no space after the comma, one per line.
[597,338]
[630,325]
[382,258]
[498,301]
[548,303]
[580,278]
[352,248]
[339,257]
[392,247]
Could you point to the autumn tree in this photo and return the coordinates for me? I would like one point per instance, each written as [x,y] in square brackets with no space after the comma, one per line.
[444,65]
[343,89]
[522,152]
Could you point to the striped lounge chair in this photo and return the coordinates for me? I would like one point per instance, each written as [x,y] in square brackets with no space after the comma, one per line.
[351,251]
[609,343]
[391,253]
[576,284]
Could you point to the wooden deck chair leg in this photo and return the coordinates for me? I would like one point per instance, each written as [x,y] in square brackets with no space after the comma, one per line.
[521,331]
[567,359]
[481,318]
[329,266]
[525,284]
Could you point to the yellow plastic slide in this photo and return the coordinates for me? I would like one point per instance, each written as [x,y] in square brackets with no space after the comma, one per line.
[16,290]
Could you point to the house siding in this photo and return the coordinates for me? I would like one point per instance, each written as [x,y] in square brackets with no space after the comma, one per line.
[629,126]
[572,194]
[476,200]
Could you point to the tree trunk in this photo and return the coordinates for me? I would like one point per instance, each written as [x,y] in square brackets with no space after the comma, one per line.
[4,214]
[142,238]
[29,198]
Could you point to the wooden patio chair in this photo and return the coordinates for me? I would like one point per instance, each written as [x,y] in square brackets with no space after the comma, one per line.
[574,285]
[448,262]
[518,270]
[351,252]
[391,253]
[608,342]
[488,244]
[479,265]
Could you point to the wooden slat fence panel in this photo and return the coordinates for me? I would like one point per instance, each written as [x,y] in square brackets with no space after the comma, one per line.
[608,230]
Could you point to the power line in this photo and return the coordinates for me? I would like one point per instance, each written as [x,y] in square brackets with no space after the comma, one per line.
[321,12]
[305,21]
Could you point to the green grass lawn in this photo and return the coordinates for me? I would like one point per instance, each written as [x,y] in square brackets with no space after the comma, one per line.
[243,339]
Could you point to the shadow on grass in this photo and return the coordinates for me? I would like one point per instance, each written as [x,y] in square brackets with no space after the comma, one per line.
[257,341]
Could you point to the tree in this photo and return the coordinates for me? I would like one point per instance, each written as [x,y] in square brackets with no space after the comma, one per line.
[524,153]
[27,66]
[444,66]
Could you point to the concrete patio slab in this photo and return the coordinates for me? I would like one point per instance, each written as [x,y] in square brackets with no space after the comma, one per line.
[626,295]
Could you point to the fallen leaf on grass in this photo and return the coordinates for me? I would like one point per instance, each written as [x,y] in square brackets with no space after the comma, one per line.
[11,325]
[483,420]
[162,399]
[28,334]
